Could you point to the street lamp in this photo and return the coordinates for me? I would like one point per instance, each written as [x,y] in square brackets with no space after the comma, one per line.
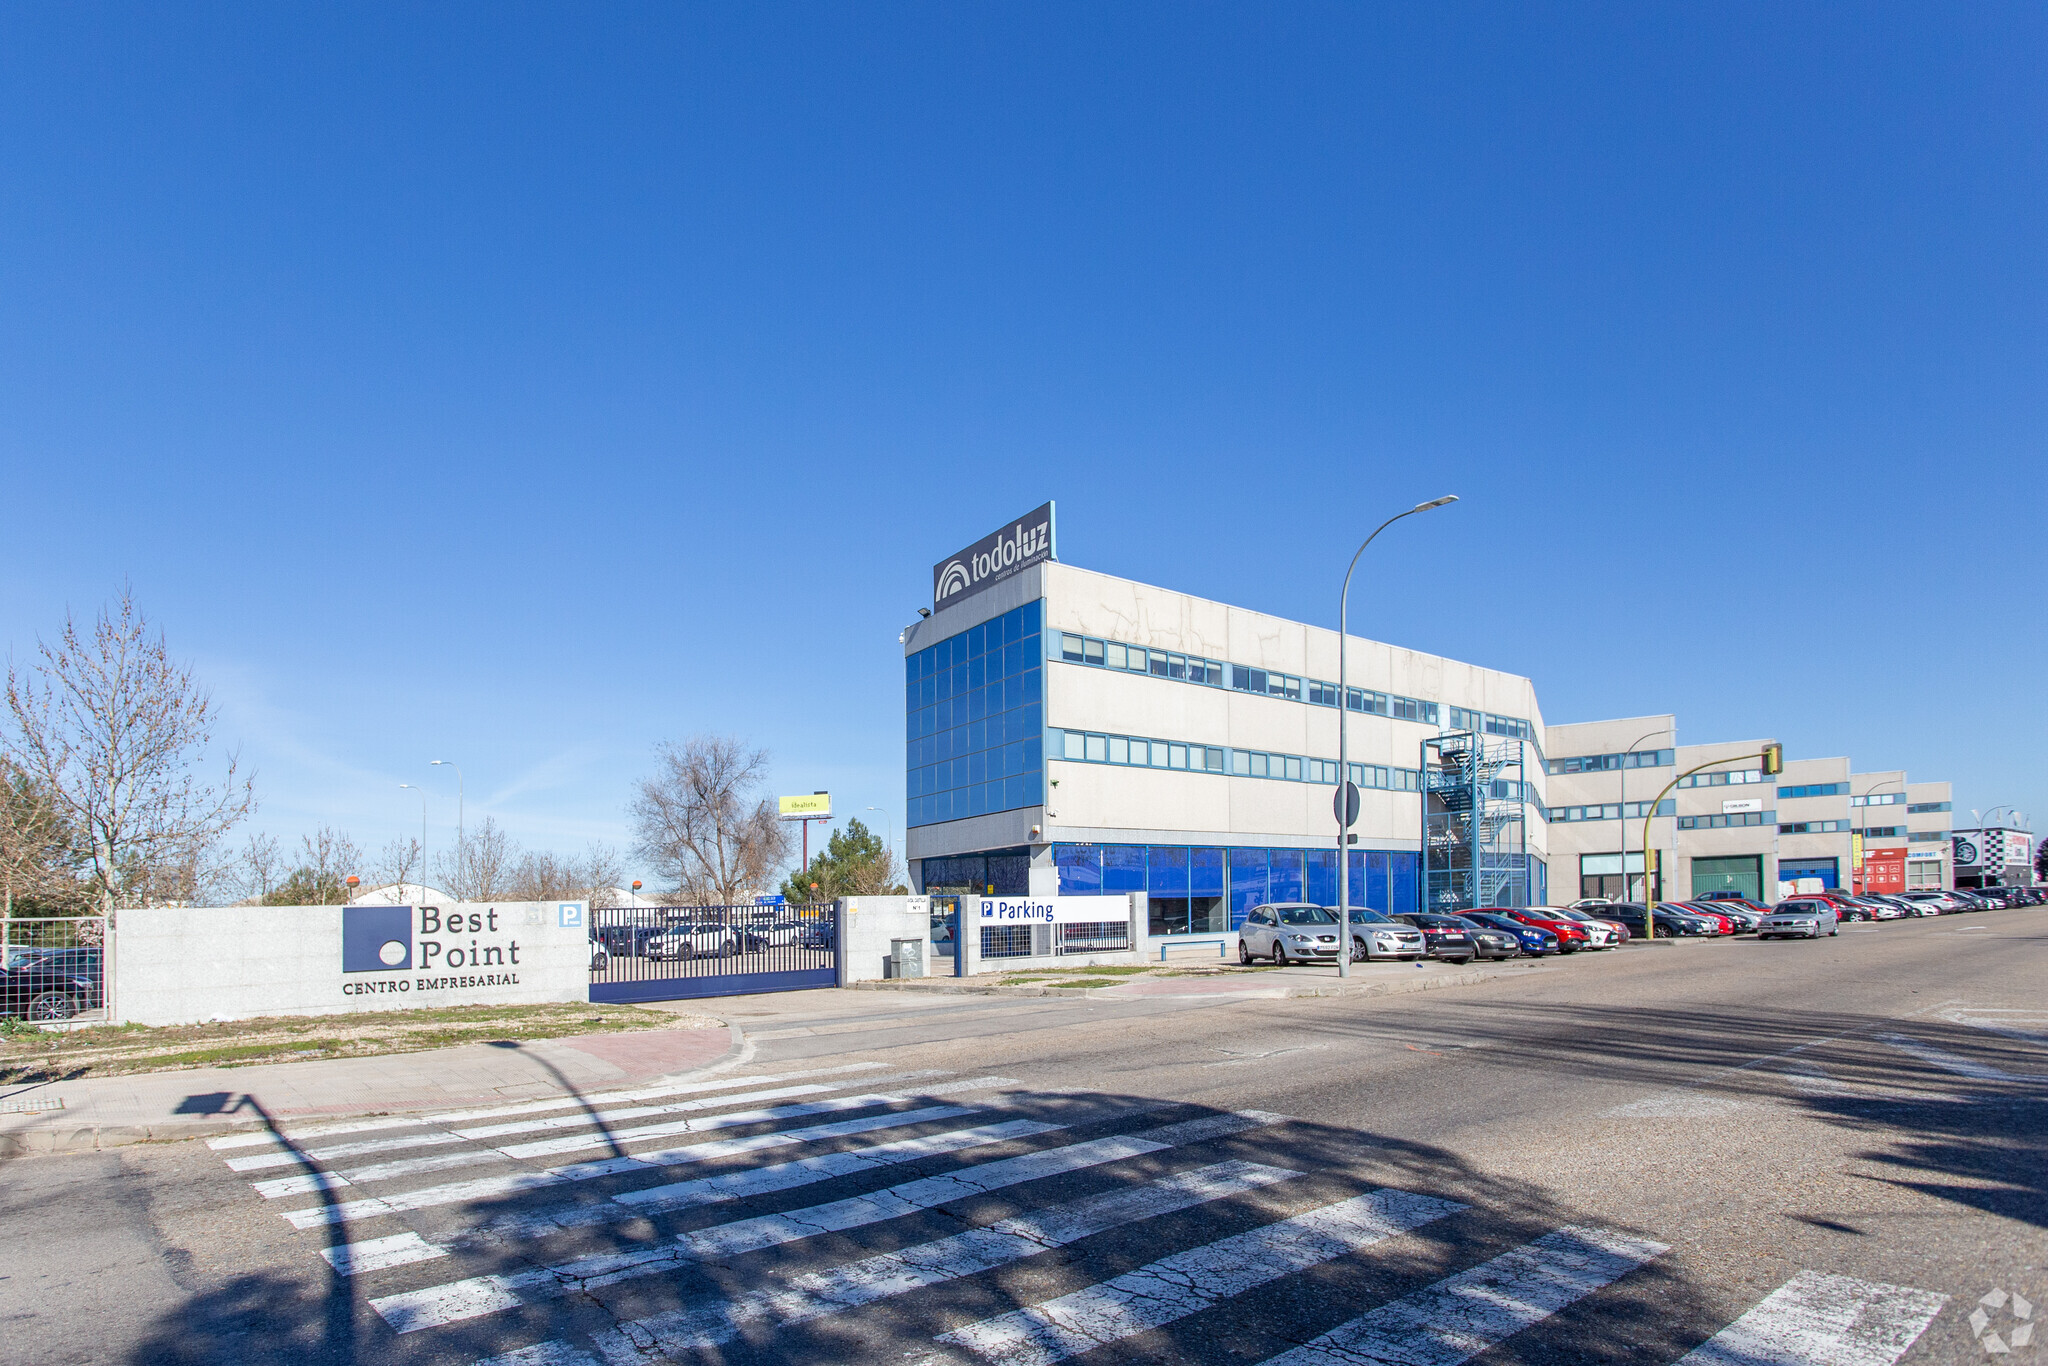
[1344,813]
[423,839]
[1624,822]
[459,784]
[888,830]
[1858,882]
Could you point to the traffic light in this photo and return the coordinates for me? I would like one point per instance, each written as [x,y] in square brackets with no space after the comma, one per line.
[1774,760]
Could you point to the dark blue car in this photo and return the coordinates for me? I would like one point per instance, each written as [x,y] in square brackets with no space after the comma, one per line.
[1535,942]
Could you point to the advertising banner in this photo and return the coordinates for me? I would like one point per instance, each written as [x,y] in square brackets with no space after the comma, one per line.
[812,806]
[1884,870]
[995,557]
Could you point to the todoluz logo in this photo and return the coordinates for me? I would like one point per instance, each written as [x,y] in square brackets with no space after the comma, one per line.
[953,578]
[2018,1324]
[1020,544]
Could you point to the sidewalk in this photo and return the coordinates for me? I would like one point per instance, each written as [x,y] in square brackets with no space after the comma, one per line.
[111,1111]
[1271,984]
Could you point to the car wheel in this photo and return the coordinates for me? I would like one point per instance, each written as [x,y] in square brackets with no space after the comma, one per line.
[1280,954]
[1832,933]
[1359,952]
[1244,954]
[52,1005]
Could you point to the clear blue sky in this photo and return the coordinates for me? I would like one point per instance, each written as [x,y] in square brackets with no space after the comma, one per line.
[524,385]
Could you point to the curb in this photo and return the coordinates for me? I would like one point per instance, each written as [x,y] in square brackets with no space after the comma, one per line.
[54,1139]
[1400,986]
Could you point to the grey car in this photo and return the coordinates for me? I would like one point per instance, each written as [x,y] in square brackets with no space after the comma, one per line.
[1798,919]
[1373,936]
[1288,932]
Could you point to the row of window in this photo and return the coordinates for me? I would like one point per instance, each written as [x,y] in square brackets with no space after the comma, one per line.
[1612,811]
[1610,763]
[1813,827]
[1215,673]
[1926,808]
[1736,778]
[1879,799]
[1884,832]
[1813,790]
[1927,837]
[1198,890]
[1727,820]
[1090,748]
[976,720]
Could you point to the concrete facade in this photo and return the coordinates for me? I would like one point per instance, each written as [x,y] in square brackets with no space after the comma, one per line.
[183,965]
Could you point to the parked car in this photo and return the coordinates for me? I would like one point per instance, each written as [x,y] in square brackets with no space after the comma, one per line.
[628,941]
[1288,932]
[600,959]
[1535,940]
[1489,943]
[1600,934]
[1374,936]
[1571,935]
[695,939]
[35,993]
[1717,921]
[1449,938]
[1750,903]
[1741,917]
[815,932]
[1932,902]
[766,933]
[1800,918]
[1670,922]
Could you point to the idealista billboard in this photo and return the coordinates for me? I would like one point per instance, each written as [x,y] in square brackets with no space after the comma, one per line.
[993,558]
[814,806]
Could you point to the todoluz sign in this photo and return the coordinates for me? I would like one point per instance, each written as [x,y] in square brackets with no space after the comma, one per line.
[993,558]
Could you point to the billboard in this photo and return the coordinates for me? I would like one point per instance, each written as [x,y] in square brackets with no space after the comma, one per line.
[1884,870]
[814,806]
[995,557]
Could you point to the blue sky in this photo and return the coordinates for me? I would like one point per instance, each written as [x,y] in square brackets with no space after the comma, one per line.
[525,385]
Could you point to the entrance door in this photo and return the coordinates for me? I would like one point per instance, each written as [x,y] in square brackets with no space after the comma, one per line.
[675,953]
[1744,875]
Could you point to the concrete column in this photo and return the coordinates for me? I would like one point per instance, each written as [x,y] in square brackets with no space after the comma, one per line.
[1141,920]
[842,955]
[967,948]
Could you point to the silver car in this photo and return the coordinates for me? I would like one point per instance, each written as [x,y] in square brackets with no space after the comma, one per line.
[1374,936]
[1797,919]
[1288,932]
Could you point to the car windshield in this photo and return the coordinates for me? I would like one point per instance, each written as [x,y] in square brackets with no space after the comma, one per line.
[1360,915]
[1305,915]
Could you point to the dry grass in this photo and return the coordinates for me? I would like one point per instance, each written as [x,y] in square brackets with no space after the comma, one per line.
[28,1054]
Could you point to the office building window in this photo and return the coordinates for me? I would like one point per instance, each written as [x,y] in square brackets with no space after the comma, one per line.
[1884,832]
[1214,673]
[1728,820]
[976,720]
[1133,751]
[1611,811]
[1928,837]
[1612,763]
[1926,808]
[1813,827]
[1736,778]
[1814,790]
[1880,799]
[1197,890]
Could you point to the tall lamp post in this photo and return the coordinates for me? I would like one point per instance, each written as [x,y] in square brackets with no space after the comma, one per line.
[1346,800]
[1624,820]
[889,832]
[421,792]
[1860,855]
[459,784]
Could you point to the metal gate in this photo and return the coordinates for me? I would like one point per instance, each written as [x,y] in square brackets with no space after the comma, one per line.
[674,953]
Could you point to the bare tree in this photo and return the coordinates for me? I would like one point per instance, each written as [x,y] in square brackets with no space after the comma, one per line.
[258,866]
[482,866]
[39,863]
[399,863]
[326,858]
[541,875]
[702,819]
[114,731]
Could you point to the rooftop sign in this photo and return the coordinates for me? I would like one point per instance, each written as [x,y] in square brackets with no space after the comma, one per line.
[993,558]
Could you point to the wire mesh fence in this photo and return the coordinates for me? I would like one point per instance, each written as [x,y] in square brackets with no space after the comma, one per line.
[56,966]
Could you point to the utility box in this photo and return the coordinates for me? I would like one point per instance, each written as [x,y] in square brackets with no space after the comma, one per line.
[906,958]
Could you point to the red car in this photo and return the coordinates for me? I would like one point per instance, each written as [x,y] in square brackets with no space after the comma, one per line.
[1571,935]
[1705,911]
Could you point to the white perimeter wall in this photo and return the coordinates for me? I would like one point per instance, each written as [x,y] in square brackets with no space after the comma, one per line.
[186,965]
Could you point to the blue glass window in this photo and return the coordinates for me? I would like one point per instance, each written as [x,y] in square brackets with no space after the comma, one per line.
[1123,868]
[1248,882]
[975,720]
[1284,874]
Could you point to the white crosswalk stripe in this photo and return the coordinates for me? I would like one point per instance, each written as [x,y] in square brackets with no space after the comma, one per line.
[714,1189]
[433,1306]
[1188,1282]
[821,1293]
[1461,1316]
[527,1180]
[1821,1320]
[299,1133]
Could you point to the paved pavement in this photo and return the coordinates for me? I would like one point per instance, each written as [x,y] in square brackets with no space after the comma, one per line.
[1794,1152]
[108,1112]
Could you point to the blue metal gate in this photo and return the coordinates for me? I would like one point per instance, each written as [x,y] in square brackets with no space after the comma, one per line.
[674,953]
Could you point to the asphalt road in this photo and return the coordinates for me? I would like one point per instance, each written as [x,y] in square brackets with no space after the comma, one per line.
[1789,1152]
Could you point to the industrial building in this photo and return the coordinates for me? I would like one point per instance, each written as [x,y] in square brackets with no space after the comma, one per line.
[1075,733]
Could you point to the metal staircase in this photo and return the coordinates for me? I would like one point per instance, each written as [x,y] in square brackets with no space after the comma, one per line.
[1473,852]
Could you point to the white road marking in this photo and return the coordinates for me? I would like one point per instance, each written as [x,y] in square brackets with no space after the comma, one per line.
[734,1185]
[299,1132]
[400,1249]
[434,1306]
[1461,1316]
[1820,1320]
[542,1354]
[819,1294]
[1189,1282]
[513,1183]
[1949,1062]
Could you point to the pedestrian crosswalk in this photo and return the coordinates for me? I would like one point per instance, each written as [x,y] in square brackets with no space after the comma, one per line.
[988,1222]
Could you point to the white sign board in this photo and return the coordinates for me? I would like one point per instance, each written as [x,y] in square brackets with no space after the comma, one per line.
[1052,910]
[1729,808]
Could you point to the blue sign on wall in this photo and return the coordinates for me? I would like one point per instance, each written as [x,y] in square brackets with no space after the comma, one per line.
[376,938]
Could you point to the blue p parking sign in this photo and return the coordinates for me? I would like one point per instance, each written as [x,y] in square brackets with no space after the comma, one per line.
[571,913]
